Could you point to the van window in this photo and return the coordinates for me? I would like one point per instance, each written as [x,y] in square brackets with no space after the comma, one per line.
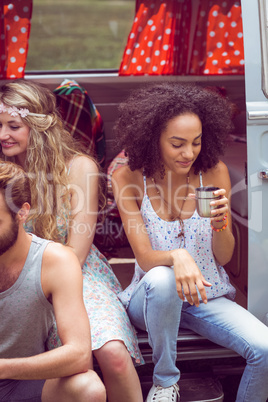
[182,37]
[78,35]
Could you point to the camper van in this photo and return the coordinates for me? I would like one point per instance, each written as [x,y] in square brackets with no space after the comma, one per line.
[235,63]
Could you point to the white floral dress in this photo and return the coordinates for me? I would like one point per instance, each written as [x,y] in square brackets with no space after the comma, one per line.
[108,318]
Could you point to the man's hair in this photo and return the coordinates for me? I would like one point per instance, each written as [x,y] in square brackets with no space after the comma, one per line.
[14,186]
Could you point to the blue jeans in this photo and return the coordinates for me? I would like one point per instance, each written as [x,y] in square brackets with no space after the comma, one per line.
[156,307]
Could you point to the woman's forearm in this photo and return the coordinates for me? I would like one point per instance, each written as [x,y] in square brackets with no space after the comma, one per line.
[223,245]
[148,259]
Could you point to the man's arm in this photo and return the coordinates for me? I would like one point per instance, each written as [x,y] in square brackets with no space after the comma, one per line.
[62,284]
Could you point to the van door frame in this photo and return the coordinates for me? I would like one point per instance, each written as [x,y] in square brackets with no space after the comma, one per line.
[255,46]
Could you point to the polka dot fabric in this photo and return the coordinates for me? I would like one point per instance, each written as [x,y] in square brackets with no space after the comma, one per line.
[159,41]
[156,45]
[15,30]
[219,49]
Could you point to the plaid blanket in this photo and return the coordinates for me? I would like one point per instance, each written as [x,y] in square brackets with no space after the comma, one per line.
[81,118]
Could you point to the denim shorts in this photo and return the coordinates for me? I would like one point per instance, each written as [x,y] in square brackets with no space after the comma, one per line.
[21,390]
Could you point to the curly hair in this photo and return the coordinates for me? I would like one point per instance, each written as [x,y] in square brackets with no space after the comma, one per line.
[50,148]
[147,111]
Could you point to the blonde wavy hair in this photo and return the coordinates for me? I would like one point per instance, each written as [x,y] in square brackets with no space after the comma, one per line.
[50,150]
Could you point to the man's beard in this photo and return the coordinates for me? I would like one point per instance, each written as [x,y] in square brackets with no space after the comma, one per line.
[9,238]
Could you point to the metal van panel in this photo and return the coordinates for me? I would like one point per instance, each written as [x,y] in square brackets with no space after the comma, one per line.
[252,50]
[264,49]
[257,126]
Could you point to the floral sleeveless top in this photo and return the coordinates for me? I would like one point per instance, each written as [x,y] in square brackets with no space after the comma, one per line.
[163,235]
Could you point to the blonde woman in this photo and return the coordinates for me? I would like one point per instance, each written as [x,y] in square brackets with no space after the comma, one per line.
[65,195]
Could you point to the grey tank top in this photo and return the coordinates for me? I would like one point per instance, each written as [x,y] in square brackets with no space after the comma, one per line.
[25,313]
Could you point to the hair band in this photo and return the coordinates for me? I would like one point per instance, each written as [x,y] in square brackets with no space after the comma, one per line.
[14,111]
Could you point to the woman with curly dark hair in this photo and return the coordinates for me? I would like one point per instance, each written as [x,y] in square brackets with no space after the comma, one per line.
[173,136]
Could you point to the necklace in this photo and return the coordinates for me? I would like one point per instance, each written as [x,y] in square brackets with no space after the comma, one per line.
[175,217]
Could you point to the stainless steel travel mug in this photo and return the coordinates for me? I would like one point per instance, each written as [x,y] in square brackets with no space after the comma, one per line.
[204,195]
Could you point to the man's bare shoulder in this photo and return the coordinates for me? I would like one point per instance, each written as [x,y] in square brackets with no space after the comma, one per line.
[57,256]
[60,269]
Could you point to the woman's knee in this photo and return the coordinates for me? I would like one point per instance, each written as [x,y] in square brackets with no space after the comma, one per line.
[161,281]
[113,356]
[257,355]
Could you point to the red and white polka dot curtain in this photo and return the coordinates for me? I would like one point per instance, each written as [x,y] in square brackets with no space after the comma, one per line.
[160,39]
[218,50]
[15,26]
[157,43]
